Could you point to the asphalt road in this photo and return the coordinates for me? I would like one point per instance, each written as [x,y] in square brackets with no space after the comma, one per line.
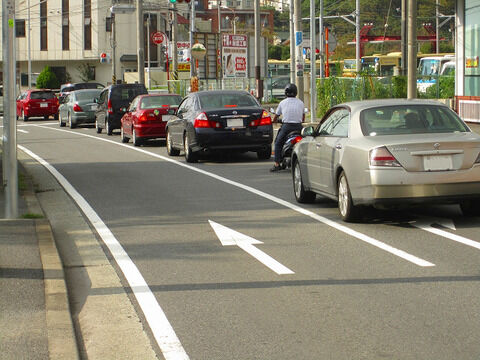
[288,281]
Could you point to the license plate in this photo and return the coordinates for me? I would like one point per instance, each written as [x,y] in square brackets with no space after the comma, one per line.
[42,105]
[166,117]
[235,123]
[437,162]
[94,107]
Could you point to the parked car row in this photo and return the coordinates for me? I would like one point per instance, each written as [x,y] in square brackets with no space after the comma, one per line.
[384,153]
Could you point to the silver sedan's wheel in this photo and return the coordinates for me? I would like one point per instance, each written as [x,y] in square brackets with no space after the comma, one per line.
[170,149]
[301,195]
[60,121]
[348,211]
[70,123]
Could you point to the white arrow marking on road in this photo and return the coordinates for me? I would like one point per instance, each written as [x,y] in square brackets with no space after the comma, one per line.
[427,226]
[22,131]
[229,237]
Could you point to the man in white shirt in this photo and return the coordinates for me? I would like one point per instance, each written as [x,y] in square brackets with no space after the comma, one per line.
[292,111]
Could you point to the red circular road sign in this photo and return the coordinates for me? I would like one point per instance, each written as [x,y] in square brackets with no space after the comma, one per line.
[158,37]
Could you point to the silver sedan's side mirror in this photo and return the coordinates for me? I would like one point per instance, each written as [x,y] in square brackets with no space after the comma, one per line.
[307,131]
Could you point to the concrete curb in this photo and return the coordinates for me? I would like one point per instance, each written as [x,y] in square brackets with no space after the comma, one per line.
[60,331]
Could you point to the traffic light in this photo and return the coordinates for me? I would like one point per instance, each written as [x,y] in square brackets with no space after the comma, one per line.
[172,1]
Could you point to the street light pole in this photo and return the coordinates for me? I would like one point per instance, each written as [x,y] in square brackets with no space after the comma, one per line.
[140,43]
[10,168]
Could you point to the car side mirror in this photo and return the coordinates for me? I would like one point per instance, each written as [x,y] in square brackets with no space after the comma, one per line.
[307,131]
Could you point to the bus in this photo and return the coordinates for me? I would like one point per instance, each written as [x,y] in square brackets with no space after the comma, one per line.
[429,69]
[382,65]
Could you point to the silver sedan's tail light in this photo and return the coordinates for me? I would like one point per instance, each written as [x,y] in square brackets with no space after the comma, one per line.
[382,157]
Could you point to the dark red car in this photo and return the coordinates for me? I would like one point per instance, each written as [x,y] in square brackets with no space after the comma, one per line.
[37,103]
[147,116]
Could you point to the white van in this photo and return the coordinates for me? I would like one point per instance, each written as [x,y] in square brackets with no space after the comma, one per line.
[448,69]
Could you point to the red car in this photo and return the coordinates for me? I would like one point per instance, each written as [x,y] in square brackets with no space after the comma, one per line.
[147,116]
[37,103]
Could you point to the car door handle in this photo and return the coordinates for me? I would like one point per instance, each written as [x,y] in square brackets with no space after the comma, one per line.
[338,147]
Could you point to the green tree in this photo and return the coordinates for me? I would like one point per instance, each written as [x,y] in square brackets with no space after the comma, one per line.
[47,79]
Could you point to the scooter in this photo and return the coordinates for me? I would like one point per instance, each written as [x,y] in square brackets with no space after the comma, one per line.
[292,138]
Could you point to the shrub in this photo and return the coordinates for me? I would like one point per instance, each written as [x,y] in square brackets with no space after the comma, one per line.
[47,79]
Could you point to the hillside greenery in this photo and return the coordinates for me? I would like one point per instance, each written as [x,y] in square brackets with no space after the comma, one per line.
[385,16]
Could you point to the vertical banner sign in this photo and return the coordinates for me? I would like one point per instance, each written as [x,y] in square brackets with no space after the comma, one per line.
[235,56]
[183,48]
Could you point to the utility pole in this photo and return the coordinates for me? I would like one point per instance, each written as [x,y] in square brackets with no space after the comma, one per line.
[292,43]
[321,41]
[29,65]
[404,37]
[192,29]
[174,42]
[357,37]
[298,49]
[258,80]
[313,55]
[412,50]
[148,53]
[114,46]
[437,28]
[10,168]
[140,44]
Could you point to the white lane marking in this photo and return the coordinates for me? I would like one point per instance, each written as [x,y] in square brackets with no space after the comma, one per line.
[163,332]
[22,131]
[424,225]
[229,237]
[394,251]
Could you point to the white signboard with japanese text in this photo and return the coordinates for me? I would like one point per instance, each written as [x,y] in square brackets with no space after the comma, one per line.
[235,56]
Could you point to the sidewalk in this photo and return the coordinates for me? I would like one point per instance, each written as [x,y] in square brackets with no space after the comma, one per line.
[35,319]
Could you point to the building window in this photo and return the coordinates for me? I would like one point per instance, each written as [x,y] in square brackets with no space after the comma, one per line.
[19,28]
[43,26]
[65,25]
[87,25]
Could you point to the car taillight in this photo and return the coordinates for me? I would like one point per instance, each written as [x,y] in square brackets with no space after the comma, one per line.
[77,108]
[202,121]
[110,107]
[147,116]
[382,157]
[264,120]
[296,140]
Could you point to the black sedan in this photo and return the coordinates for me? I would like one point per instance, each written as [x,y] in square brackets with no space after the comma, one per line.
[222,120]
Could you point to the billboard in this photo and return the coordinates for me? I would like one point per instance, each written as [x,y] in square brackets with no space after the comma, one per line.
[235,56]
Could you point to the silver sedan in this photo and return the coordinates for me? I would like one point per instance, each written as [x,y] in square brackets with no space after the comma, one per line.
[388,153]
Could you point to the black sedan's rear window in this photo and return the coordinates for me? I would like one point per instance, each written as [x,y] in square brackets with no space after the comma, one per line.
[216,100]
[410,119]
[44,95]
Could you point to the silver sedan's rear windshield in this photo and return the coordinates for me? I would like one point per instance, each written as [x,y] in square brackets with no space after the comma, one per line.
[87,94]
[410,119]
[216,100]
